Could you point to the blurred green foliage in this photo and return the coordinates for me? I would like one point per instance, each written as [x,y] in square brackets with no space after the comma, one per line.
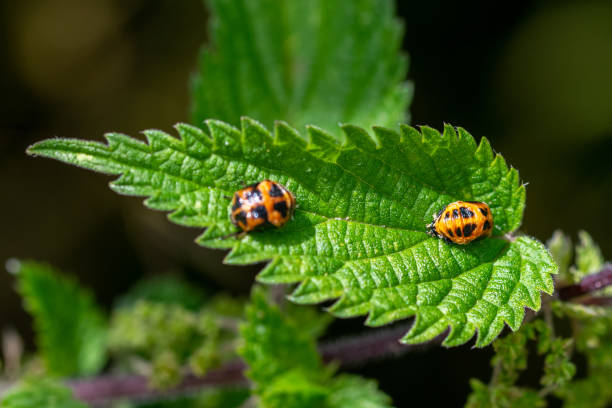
[163,336]
[304,62]
[71,330]
[286,368]
[39,393]
[165,289]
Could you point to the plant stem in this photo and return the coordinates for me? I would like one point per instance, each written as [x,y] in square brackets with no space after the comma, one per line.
[348,352]
[102,390]
[588,284]
[597,301]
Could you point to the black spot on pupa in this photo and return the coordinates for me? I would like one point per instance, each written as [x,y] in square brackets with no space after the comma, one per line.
[484,211]
[236,202]
[281,207]
[450,232]
[275,191]
[455,213]
[447,215]
[468,229]
[259,212]
[458,231]
[466,212]
[486,225]
[240,217]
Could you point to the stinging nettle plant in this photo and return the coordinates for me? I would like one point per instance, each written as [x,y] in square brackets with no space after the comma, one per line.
[267,99]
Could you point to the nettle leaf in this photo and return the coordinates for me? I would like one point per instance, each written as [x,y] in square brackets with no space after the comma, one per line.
[273,345]
[588,257]
[71,330]
[287,369]
[351,391]
[359,232]
[304,62]
[560,247]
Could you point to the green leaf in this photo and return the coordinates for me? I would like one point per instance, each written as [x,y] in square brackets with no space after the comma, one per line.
[558,369]
[70,329]
[274,345]
[560,246]
[293,389]
[359,232]
[351,391]
[303,61]
[588,257]
[287,370]
[39,393]
[510,356]
[309,319]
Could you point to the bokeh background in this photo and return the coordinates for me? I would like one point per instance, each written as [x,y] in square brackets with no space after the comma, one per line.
[535,77]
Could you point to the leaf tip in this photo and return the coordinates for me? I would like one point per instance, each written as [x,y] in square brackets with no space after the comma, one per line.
[248,122]
[39,148]
[215,124]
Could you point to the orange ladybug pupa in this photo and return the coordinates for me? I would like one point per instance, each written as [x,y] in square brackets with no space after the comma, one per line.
[462,222]
[266,203]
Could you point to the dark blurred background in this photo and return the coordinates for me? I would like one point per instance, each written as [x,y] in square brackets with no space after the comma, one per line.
[535,77]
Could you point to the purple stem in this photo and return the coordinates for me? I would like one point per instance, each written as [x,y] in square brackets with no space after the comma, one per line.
[348,352]
[100,391]
[588,284]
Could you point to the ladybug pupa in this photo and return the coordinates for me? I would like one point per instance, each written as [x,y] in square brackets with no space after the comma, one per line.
[262,204]
[462,222]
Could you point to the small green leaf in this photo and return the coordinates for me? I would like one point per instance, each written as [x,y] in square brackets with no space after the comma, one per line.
[71,330]
[359,232]
[510,356]
[560,246]
[351,391]
[309,319]
[588,257]
[274,345]
[293,389]
[303,61]
[39,393]
[287,370]
[558,369]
